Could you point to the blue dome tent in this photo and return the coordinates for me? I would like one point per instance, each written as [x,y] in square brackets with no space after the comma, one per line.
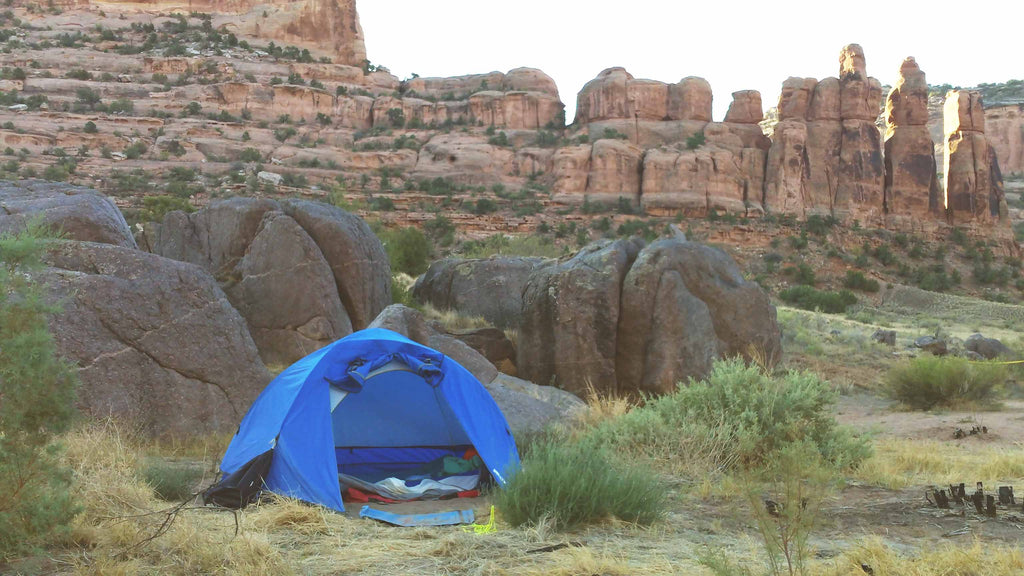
[368,405]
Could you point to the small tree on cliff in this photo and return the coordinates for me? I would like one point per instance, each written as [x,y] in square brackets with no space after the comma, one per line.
[36,402]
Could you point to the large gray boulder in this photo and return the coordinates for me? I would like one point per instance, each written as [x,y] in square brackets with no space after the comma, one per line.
[685,304]
[527,407]
[487,287]
[303,274]
[287,293]
[80,213]
[620,318]
[990,348]
[156,340]
[356,256]
[569,330]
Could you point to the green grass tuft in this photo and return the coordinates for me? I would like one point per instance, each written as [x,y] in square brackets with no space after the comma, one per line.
[932,381]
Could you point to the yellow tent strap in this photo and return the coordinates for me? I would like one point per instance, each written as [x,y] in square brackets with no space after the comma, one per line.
[991,362]
[482,528]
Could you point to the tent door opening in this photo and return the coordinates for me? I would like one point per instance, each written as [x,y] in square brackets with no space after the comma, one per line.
[398,438]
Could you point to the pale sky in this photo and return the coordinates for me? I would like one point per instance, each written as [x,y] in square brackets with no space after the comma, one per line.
[735,45]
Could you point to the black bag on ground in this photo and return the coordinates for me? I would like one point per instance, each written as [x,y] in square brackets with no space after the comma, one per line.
[243,486]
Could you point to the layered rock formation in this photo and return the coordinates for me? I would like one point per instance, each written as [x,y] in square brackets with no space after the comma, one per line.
[973,183]
[1004,128]
[321,25]
[654,146]
[826,156]
[261,251]
[912,191]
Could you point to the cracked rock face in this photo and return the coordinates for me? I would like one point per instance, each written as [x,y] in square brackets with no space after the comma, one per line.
[623,320]
[156,341]
[80,213]
[302,274]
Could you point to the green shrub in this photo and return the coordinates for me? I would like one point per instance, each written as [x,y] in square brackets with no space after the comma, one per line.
[856,280]
[696,140]
[738,418]
[810,298]
[572,483]
[409,250]
[37,402]
[154,208]
[930,381]
[801,274]
[171,482]
[484,206]
[90,127]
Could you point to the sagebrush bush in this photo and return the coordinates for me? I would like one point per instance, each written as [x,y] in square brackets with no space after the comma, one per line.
[737,418]
[809,298]
[930,381]
[575,482]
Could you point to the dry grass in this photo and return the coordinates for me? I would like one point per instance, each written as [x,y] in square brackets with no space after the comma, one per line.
[986,559]
[283,536]
[452,320]
[901,463]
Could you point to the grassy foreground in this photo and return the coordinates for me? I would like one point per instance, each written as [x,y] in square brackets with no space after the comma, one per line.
[708,515]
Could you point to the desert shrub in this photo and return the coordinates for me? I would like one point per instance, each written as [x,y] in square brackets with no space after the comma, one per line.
[696,140]
[409,250]
[500,139]
[856,280]
[154,208]
[170,481]
[930,381]
[136,150]
[572,483]
[534,245]
[36,402]
[809,298]
[801,274]
[484,206]
[737,418]
[90,127]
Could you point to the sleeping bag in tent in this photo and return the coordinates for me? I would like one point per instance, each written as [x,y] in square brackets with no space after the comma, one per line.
[377,412]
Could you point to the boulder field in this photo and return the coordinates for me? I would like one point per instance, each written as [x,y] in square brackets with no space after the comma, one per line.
[618,317]
[176,340]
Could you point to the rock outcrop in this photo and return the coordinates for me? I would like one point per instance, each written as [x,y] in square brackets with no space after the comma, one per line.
[1004,128]
[618,319]
[912,192]
[826,156]
[78,213]
[569,333]
[527,407]
[684,305]
[973,182]
[156,340]
[303,274]
[654,147]
[488,287]
[323,25]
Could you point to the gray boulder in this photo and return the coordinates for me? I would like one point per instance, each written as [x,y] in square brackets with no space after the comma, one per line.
[989,348]
[887,337]
[527,406]
[356,256]
[932,344]
[80,213]
[569,331]
[287,293]
[156,340]
[487,287]
[303,274]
